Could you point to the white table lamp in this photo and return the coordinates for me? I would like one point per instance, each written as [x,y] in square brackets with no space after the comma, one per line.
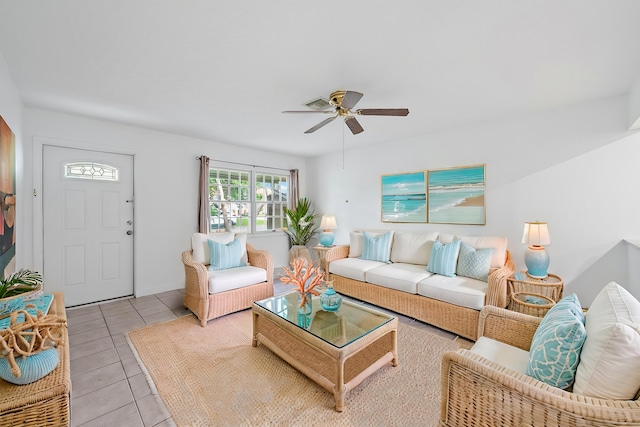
[328,224]
[536,258]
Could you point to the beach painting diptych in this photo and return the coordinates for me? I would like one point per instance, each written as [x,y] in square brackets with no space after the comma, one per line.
[404,197]
[456,195]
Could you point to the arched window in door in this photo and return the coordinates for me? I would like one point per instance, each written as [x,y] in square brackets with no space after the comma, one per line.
[91,170]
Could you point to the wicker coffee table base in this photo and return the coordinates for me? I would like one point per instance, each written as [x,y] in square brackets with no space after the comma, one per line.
[337,370]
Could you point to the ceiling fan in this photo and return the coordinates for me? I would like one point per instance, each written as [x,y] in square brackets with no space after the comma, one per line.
[343,101]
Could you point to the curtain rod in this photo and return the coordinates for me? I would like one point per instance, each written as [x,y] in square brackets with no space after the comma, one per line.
[246,164]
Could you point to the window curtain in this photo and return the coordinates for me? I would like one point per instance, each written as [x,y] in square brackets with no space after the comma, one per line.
[204,212]
[293,189]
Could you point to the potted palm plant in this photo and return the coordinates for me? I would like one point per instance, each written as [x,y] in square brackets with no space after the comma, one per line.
[301,226]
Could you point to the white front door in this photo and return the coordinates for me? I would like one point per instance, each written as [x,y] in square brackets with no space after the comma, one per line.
[88,224]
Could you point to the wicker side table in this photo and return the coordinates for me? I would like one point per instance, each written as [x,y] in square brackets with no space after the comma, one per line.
[551,286]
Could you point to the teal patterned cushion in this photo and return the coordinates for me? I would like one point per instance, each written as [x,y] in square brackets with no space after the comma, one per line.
[444,258]
[376,248]
[557,343]
[225,256]
[474,263]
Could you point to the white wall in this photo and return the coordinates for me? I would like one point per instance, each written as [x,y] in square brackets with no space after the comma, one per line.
[11,112]
[166,176]
[575,168]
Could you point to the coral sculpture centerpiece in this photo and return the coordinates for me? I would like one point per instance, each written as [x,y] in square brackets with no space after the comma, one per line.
[306,279]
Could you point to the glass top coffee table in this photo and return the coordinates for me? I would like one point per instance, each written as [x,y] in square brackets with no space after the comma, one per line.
[337,350]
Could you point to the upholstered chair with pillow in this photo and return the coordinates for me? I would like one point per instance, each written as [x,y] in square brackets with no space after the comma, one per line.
[565,369]
[224,274]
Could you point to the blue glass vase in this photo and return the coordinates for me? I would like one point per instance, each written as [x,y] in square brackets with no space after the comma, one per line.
[304,303]
[330,300]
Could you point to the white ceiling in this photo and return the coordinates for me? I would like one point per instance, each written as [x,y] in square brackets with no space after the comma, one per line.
[224,70]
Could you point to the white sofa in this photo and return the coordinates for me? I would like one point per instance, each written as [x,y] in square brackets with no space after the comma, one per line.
[403,283]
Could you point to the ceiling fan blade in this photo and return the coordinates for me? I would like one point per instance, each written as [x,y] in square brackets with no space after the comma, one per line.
[310,111]
[383,112]
[322,123]
[350,99]
[354,125]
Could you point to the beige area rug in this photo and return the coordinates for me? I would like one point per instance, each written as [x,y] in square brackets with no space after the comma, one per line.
[213,377]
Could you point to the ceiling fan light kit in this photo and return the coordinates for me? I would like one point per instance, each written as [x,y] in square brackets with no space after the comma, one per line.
[343,101]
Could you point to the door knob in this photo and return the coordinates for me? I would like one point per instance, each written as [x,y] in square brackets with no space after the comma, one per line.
[129,222]
[129,232]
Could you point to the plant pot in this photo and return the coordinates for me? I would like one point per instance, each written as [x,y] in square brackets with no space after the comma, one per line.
[300,251]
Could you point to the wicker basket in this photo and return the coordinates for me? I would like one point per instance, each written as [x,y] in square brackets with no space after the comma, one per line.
[530,303]
[17,302]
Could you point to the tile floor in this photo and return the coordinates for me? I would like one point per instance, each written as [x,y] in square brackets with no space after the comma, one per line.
[108,386]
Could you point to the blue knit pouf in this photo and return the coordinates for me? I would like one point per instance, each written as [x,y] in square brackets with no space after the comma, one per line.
[32,368]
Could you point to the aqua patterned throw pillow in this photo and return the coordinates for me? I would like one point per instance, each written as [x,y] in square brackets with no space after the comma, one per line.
[225,256]
[376,248]
[474,263]
[444,258]
[557,343]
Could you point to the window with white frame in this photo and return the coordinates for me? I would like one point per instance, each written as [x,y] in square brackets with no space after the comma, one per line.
[247,200]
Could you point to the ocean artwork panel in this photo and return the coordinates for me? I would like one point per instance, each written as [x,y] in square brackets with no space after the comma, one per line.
[404,197]
[456,195]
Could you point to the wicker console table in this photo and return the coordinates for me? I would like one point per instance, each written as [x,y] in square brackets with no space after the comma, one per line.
[44,402]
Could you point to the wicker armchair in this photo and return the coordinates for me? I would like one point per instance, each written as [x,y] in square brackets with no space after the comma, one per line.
[478,392]
[208,306]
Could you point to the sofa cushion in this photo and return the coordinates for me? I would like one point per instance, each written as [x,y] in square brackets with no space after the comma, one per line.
[412,248]
[503,354]
[376,248]
[610,360]
[200,246]
[557,343]
[458,290]
[353,268]
[225,256]
[444,258]
[474,263]
[234,278]
[398,276]
[242,237]
[499,245]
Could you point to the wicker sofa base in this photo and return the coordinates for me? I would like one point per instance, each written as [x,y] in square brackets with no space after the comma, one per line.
[459,320]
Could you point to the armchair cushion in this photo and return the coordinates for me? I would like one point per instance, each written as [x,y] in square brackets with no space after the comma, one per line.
[503,354]
[225,256]
[234,278]
[610,361]
[557,343]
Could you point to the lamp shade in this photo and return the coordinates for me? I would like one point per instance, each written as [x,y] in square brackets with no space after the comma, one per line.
[536,233]
[328,222]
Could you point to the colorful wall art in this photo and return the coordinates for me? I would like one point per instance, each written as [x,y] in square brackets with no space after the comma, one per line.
[456,195]
[7,199]
[404,197]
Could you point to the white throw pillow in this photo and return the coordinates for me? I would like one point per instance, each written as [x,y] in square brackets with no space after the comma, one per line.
[610,360]
[412,248]
[244,259]
[356,240]
[499,245]
[200,246]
